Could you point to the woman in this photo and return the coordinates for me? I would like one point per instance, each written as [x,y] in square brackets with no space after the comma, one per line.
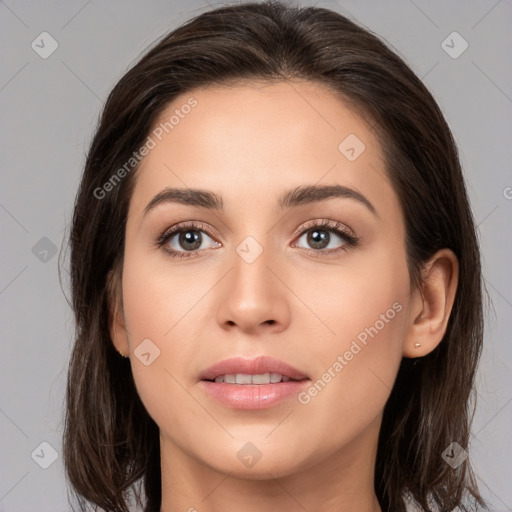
[275,277]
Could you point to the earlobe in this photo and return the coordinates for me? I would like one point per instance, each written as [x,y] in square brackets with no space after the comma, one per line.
[118,335]
[432,304]
[117,327]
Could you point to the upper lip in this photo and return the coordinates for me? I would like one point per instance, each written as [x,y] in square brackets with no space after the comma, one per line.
[255,366]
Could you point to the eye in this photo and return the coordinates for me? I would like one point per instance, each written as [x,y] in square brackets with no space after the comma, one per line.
[185,240]
[327,236]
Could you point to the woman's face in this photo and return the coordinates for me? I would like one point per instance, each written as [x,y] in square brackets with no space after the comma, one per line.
[255,277]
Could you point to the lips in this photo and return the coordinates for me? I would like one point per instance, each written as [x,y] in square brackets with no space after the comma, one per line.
[252,384]
[256,366]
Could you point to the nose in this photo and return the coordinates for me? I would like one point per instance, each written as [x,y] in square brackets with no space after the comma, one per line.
[253,297]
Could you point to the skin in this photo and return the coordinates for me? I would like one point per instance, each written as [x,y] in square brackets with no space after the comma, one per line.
[249,144]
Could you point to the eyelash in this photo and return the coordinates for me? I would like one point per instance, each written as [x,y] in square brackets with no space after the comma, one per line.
[351,240]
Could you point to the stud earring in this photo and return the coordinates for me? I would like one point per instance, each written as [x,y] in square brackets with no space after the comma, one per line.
[416,345]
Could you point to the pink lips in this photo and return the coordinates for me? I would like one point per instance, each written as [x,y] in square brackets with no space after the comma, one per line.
[259,365]
[252,396]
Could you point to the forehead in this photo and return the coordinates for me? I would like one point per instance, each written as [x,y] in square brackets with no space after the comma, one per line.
[259,137]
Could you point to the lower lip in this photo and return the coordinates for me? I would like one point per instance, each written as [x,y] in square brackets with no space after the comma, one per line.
[253,396]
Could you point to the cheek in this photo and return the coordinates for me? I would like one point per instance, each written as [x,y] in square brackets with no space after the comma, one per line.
[363,299]
[158,306]
[158,300]
[358,353]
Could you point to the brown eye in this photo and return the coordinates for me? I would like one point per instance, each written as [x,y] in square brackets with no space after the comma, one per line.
[186,240]
[318,238]
[190,239]
[326,238]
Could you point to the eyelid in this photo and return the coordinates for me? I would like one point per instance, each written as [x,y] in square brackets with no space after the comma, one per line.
[324,223]
[195,225]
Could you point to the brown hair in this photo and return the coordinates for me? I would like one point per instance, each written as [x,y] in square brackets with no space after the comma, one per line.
[110,441]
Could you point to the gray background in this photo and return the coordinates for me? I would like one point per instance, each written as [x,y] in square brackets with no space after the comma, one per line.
[49,111]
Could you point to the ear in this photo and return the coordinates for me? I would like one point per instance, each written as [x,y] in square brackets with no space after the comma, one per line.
[117,327]
[432,304]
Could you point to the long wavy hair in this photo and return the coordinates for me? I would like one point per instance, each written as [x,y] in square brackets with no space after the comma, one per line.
[111,444]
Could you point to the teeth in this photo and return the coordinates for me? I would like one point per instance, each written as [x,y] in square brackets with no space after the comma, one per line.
[243,378]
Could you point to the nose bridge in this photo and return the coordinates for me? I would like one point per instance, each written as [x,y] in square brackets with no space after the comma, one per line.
[251,264]
[253,295]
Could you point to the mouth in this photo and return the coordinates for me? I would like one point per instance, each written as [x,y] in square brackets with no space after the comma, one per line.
[261,370]
[252,384]
[257,379]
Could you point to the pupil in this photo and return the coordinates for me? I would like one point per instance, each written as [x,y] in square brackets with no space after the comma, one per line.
[319,239]
[190,237]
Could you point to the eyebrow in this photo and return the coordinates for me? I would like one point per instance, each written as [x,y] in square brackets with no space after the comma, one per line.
[305,194]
